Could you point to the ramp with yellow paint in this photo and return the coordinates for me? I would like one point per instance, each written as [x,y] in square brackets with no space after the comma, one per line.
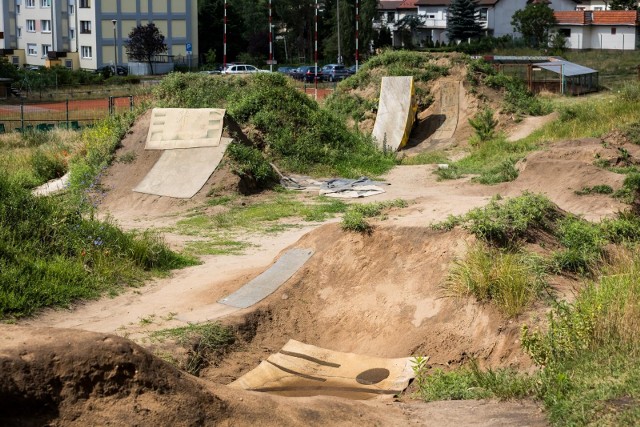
[396,113]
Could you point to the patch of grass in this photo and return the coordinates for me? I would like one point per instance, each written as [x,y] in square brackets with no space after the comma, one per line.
[511,280]
[354,218]
[470,382]
[503,172]
[262,215]
[596,189]
[50,255]
[215,246]
[589,353]
[426,158]
[128,157]
[630,188]
[504,222]
[205,342]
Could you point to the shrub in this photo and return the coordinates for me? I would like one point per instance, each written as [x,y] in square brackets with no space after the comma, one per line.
[354,217]
[596,189]
[249,163]
[484,124]
[504,172]
[511,280]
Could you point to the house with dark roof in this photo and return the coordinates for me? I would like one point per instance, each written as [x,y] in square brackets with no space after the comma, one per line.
[606,29]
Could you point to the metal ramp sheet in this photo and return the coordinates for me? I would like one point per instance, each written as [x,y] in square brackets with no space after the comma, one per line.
[270,280]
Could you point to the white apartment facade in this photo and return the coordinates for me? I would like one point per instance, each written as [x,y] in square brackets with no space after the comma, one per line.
[89,34]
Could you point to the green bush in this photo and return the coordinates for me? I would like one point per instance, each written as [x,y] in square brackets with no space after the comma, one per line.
[504,172]
[355,216]
[484,124]
[510,280]
[250,163]
[47,165]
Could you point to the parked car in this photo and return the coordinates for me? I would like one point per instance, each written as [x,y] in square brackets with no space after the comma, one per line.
[352,70]
[307,74]
[210,72]
[242,69]
[285,70]
[334,72]
[110,70]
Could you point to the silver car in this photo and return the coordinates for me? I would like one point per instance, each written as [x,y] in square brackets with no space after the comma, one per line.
[242,69]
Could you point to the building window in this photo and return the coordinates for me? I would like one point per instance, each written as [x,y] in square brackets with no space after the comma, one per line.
[45,3]
[391,16]
[84,4]
[18,9]
[85,27]
[72,33]
[483,14]
[613,31]
[45,50]
[566,32]
[19,32]
[31,25]
[32,49]
[68,63]
[45,26]
[85,52]
[72,9]
[30,3]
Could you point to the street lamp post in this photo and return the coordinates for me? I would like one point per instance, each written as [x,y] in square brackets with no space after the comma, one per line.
[115,46]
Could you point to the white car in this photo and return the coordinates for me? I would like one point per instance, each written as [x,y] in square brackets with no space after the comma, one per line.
[242,69]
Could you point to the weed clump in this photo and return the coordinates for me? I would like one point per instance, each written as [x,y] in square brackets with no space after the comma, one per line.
[355,216]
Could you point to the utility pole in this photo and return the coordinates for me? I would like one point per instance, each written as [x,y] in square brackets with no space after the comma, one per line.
[339,43]
[357,30]
[270,40]
[315,49]
[224,39]
[115,47]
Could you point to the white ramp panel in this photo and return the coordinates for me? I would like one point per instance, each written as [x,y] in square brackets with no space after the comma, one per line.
[396,113]
[305,370]
[176,128]
[182,173]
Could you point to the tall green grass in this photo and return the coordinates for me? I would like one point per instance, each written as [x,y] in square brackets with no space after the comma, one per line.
[50,255]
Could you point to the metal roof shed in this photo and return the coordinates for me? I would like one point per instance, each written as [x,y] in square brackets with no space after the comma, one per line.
[574,79]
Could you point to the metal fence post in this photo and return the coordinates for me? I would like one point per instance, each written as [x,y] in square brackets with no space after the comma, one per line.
[131,102]
[67,109]
[111,105]
[22,114]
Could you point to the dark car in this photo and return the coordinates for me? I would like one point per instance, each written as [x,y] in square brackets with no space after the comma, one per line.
[308,74]
[285,70]
[352,70]
[334,72]
[110,70]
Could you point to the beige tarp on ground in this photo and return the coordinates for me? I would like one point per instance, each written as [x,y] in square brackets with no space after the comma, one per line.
[396,113]
[175,128]
[305,370]
[182,173]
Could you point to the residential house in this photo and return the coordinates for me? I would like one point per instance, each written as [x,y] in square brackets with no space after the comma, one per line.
[610,29]
[494,15]
[594,5]
[89,34]
[392,14]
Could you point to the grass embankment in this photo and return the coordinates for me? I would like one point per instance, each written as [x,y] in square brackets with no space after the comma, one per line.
[494,160]
[52,251]
[588,356]
[285,126]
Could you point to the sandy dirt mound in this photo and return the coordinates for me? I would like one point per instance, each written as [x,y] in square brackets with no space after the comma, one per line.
[379,295]
[63,377]
[117,198]
[566,167]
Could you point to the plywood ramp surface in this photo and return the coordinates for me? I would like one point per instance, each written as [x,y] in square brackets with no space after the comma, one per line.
[176,128]
[396,113]
[182,173]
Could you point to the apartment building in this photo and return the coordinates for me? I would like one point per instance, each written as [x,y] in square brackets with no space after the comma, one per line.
[89,34]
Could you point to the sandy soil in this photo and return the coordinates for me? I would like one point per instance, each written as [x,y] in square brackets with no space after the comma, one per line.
[376,294]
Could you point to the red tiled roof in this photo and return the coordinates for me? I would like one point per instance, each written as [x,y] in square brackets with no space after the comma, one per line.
[571,17]
[615,17]
[448,2]
[389,4]
[604,17]
[408,4]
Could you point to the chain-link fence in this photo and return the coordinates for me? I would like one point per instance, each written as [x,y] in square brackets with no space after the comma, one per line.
[70,114]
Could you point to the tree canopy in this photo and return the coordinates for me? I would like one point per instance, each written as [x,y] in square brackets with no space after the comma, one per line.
[624,4]
[534,23]
[462,20]
[145,42]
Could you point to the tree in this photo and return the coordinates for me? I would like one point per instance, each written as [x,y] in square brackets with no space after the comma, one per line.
[407,26]
[462,22]
[624,4]
[145,42]
[534,23]
[383,38]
